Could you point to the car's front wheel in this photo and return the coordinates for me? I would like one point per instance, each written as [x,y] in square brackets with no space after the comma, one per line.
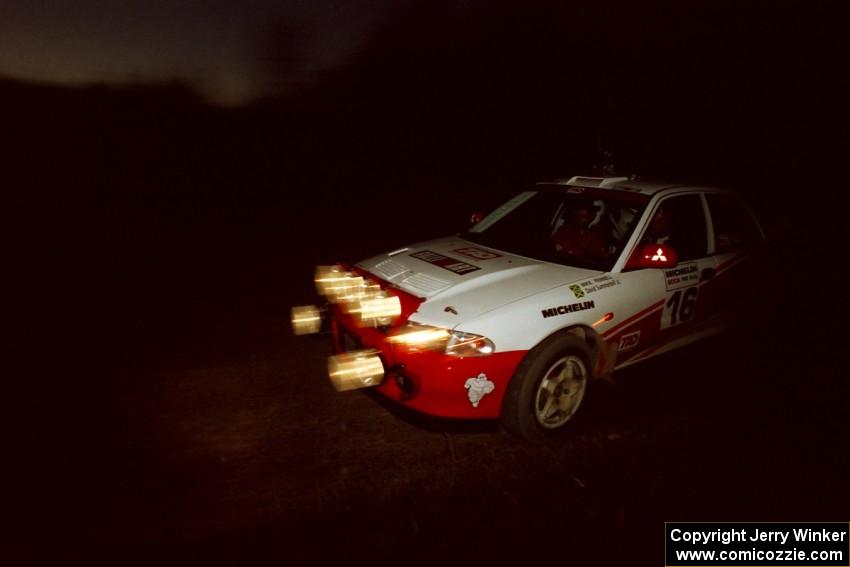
[548,387]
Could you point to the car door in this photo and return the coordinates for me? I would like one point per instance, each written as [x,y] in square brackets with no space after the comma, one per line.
[671,296]
[683,308]
[736,241]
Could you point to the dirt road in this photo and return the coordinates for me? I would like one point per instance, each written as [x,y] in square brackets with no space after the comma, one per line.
[163,413]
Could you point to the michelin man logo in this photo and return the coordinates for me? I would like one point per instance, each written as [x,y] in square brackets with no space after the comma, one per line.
[478,387]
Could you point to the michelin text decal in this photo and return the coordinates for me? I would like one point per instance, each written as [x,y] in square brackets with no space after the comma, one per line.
[564,309]
[681,276]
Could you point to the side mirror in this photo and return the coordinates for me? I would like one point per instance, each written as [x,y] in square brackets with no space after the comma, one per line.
[653,256]
[475,218]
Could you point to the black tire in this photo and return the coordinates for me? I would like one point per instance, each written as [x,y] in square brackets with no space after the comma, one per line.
[564,361]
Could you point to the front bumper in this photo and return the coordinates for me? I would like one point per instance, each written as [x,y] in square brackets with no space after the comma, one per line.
[427,381]
[432,382]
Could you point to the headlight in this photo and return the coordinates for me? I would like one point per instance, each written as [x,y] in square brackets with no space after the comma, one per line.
[328,278]
[455,343]
[357,369]
[338,285]
[468,344]
[306,319]
[361,298]
[380,309]
[421,337]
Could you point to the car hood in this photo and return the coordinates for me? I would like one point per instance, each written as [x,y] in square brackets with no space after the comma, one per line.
[460,280]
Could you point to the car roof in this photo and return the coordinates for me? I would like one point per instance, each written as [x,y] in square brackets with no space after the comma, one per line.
[632,185]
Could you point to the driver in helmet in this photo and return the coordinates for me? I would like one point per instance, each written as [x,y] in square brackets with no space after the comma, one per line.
[576,237]
[658,231]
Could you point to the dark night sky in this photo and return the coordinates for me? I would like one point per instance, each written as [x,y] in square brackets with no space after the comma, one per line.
[688,88]
[221,46]
[215,45]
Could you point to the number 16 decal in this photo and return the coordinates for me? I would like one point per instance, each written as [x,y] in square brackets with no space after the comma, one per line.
[680,308]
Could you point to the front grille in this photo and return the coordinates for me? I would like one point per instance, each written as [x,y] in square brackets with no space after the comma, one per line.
[404,382]
[348,341]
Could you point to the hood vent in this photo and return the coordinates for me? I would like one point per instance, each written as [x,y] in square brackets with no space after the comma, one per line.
[423,283]
[389,269]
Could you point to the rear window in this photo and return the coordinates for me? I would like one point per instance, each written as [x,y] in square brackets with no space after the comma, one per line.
[734,226]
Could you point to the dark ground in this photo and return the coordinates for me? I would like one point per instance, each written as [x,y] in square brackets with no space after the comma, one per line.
[158,409]
[163,413]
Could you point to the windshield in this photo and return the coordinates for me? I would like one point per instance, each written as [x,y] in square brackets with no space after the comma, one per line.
[573,226]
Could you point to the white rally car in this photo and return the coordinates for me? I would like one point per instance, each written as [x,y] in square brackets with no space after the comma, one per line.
[564,283]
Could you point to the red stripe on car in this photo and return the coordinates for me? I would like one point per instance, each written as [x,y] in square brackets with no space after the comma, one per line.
[633,318]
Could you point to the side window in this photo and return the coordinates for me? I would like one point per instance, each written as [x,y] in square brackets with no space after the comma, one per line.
[679,222]
[734,227]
